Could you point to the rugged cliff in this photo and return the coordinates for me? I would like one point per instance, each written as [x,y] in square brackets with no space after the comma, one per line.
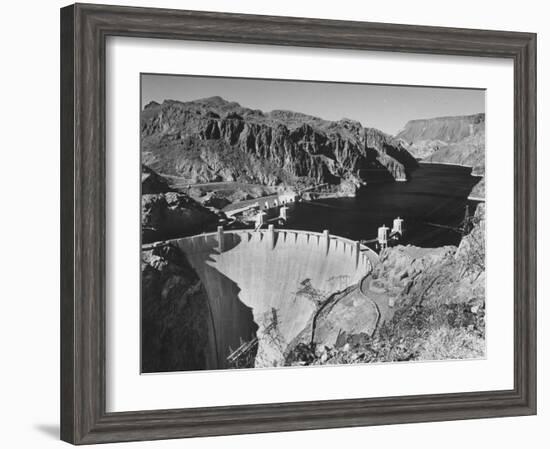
[457,140]
[216,140]
[444,129]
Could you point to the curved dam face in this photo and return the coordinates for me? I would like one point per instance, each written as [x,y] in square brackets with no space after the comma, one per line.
[268,284]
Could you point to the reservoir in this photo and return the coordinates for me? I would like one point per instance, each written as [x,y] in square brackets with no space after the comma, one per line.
[434,194]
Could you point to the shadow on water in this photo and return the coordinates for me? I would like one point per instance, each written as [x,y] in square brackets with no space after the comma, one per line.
[433,194]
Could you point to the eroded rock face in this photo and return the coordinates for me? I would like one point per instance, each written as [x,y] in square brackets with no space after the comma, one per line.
[176,326]
[443,129]
[215,140]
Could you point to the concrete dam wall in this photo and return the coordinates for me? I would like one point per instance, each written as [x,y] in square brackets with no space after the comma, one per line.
[265,284]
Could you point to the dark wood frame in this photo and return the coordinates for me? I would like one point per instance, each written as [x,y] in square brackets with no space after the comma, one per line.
[84,29]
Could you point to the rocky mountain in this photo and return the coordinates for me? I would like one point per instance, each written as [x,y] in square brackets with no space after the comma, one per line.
[458,140]
[216,140]
[444,129]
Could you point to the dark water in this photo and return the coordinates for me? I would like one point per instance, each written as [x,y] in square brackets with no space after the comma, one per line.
[434,194]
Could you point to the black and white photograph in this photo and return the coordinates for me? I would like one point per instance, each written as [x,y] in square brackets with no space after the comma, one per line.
[284,224]
[302,223]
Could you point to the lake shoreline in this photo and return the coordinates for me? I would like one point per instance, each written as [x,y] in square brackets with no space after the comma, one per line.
[434,193]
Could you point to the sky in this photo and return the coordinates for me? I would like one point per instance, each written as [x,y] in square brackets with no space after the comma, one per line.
[384,107]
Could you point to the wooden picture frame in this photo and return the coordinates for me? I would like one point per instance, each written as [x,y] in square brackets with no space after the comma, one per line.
[84,29]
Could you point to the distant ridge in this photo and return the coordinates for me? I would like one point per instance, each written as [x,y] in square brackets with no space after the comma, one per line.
[454,140]
[449,129]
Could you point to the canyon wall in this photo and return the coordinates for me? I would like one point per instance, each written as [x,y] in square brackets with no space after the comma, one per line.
[458,139]
[216,140]
[455,140]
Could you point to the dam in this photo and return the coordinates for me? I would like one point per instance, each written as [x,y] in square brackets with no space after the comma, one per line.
[266,285]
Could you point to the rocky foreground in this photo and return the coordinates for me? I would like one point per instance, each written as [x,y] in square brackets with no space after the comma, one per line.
[212,140]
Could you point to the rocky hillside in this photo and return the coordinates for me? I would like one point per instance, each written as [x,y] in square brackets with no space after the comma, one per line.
[216,140]
[444,129]
[459,139]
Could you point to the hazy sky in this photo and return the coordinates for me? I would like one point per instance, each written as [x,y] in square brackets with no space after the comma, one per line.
[387,108]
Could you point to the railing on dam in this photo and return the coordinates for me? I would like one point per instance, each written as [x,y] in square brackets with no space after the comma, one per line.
[224,240]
